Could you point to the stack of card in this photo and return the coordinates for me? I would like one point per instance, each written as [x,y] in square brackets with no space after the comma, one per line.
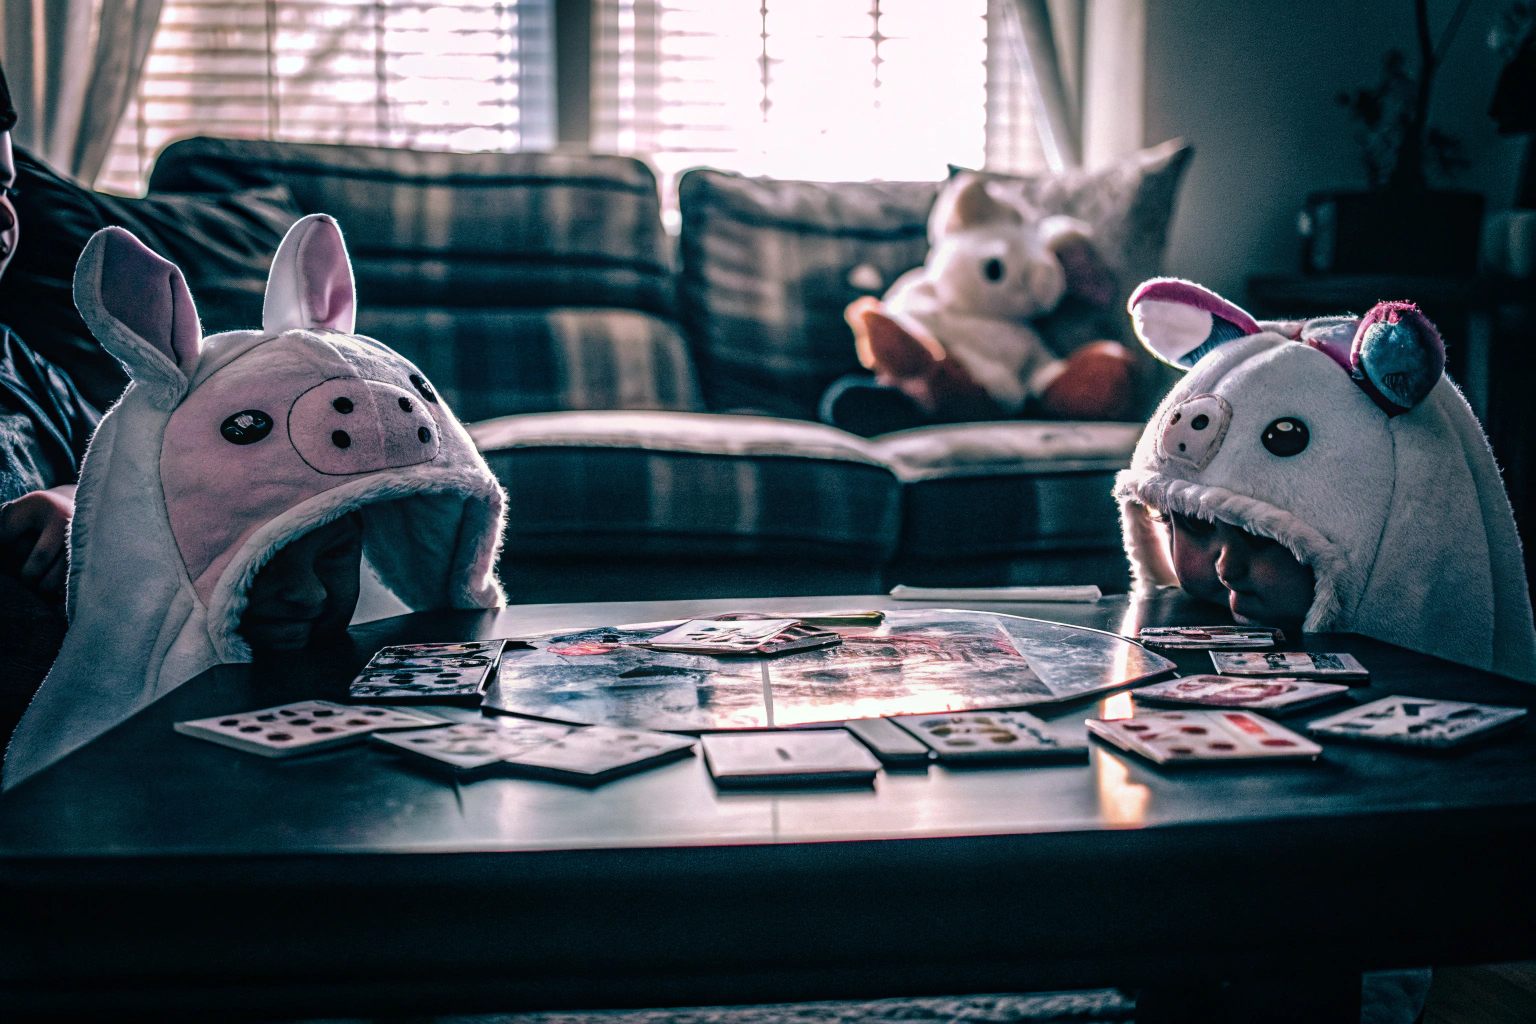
[1293,664]
[1415,722]
[797,757]
[469,749]
[893,745]
[1208,638]
[740,636]
[302,727]
[978,737]
[428,673]
[1280,696]
[1192,737]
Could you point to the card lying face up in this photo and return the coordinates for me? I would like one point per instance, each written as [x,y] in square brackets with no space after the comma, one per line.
[795,757]
[1275,695]
[1190,737]
[1413,722]
[303,727]
[469,748]
[741,636]
[591,756]
[1296,664]
[978,737]
[1205,638]
[428,673]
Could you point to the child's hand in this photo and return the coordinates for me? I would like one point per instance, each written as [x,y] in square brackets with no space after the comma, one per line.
[33,530]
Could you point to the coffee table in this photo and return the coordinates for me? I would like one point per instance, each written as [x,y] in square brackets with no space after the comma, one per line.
[150,870]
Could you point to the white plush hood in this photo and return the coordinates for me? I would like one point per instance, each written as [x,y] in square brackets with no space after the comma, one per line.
[1394,500]
[220,452]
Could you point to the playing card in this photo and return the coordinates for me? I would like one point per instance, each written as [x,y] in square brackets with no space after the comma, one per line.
[428,673]
[1297,664]
[1276,695]
[466,748]
[796,757]
[893,745]
[1187,737]
[1204,638]
[598,753]
[990,736]
[740,636]
[1414,722]
[302,727]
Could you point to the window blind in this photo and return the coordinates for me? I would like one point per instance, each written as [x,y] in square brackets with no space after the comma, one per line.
[820,89]
[464,74]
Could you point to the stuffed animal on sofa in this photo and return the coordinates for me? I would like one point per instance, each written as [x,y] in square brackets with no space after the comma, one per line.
[954,334]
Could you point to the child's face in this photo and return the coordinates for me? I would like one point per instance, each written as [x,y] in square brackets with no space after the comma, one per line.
[307,590]
[1256,577]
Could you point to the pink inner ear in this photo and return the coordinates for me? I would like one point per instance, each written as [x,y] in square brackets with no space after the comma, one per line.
[326,279]
[147,293]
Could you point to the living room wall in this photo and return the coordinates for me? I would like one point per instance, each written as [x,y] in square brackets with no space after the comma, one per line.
[1253,87]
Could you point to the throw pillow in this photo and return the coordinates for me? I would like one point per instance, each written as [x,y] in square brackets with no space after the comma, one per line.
[768,266]
[222,243]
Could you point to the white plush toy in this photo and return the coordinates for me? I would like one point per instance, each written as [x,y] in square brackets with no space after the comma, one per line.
[1342,439]
[955,333]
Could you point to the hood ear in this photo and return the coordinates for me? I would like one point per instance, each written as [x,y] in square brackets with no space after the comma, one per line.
[1179,321]
[311,280]
[138,306]
[974,206]
[1397,356]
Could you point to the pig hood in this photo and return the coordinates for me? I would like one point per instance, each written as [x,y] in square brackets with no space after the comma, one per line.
[1343,440]
[222,450]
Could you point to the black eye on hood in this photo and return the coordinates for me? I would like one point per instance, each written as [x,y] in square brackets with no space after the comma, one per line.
[246,427]
[993,269]
[1286,436]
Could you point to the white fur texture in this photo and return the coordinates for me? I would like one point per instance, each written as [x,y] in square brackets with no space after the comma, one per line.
[1403,520]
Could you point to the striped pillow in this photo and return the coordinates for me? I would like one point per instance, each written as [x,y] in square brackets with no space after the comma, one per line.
[496,362]
[461,229]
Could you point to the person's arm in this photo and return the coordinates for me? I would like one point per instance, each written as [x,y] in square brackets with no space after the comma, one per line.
[33,531]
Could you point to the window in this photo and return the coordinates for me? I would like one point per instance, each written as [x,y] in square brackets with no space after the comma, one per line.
[463,74]
[821,89]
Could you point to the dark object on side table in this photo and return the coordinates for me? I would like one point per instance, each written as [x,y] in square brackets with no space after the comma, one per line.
[1434,231]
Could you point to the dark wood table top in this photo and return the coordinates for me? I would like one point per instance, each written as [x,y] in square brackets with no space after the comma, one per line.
[150,862]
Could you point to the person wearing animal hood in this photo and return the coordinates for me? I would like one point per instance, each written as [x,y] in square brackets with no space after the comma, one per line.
[229,496]
[1329,452]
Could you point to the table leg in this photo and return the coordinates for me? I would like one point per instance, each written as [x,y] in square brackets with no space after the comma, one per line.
[1322,997]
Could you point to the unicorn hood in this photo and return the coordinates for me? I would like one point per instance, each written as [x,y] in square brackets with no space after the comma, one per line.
[1342,439]
[224,449]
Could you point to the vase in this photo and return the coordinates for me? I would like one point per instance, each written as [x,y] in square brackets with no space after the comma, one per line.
[1429,232]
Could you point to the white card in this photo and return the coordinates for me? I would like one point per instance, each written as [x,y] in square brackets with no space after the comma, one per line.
[788,757]
[1188,737]
[468,746]
[976,736]
[1227,692]
[1415,722]
[599,753]
[301,727]
[1297,664]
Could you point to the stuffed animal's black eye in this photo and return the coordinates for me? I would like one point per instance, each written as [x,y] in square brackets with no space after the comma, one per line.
[993,269]
[246,427]
[423,387]
[1286,436]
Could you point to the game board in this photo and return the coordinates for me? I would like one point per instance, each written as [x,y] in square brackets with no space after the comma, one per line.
[915,662]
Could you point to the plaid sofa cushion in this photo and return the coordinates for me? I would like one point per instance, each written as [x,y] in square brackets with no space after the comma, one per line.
[461,229]
[767,268]
[496,362]
[1000,490]
[697,486]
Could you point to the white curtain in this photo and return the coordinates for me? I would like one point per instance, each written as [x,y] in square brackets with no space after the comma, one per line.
[72,66]
[1088,59]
